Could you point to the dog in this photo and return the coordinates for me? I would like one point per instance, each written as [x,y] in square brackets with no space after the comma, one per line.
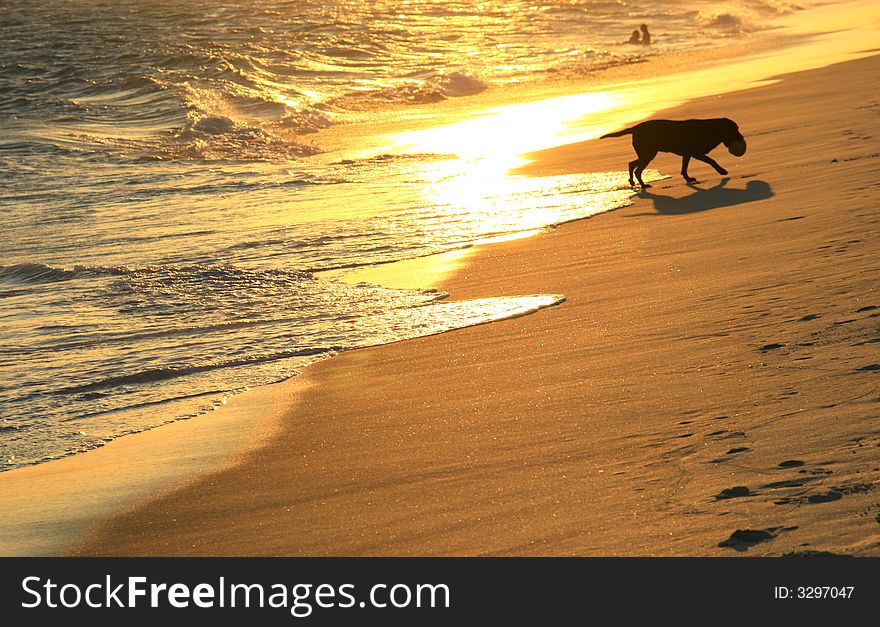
[692,139]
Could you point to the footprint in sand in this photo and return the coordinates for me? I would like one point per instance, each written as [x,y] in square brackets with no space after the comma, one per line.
[744,539]
[811,553]
[817,471]
[831,495]
[791,463]
[789,483]
[728,435]
[834,494]
[770,347]
[734,492]
[734,434]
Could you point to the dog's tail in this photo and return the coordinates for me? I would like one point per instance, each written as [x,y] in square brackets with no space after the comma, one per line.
[626,131]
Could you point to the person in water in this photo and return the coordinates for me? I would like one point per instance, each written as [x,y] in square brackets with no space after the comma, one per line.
[634,38]
[646,36]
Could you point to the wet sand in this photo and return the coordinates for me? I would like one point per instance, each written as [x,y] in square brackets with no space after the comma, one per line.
[709,387]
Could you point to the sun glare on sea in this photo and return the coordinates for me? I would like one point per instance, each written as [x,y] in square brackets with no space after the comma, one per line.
[500,136]
[491,143]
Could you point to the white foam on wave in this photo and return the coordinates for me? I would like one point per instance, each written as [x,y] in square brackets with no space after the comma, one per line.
[217,128]
[213,124]
[729,21]
[428,87]
[304,121]
[457,84]
[777,6]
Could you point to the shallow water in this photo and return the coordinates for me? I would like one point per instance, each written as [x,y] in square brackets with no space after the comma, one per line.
[164,210]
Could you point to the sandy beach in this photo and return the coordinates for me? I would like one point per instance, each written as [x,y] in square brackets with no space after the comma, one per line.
[709,386]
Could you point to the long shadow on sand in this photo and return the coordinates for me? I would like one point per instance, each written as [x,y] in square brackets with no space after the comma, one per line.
[711,198]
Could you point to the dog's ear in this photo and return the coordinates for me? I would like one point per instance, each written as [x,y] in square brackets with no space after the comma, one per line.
[732,132]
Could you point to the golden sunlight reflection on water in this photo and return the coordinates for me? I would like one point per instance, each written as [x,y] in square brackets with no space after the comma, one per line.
[477,185]
[498,137]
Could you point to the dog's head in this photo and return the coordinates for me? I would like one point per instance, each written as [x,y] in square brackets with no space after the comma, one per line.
[733,139]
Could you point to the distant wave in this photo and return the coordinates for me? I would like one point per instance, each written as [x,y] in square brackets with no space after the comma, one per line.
[591,61]
[419,88]
[729,22]
[162,374]
[31,273]
[457,84]
[777,6]
[34,273]
[744,20]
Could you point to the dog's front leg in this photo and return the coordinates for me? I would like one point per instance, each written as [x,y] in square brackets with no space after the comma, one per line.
[712,162]
[684,169]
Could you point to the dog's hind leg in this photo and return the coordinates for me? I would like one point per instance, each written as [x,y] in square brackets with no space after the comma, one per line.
[632,166]
[641,163]
[710,161]
[684,169]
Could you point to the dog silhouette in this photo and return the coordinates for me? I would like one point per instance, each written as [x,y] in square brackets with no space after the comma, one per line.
[692,139]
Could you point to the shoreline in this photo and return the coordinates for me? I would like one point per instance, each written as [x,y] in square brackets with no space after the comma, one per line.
[569,431]
[225,437]
[75,491]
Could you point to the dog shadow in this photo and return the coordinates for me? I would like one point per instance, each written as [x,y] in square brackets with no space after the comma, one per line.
[704,199]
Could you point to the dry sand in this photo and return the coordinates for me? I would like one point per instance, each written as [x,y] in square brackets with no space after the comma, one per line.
[719,337]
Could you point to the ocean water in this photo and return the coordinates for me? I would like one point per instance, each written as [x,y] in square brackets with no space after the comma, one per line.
[167,205]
